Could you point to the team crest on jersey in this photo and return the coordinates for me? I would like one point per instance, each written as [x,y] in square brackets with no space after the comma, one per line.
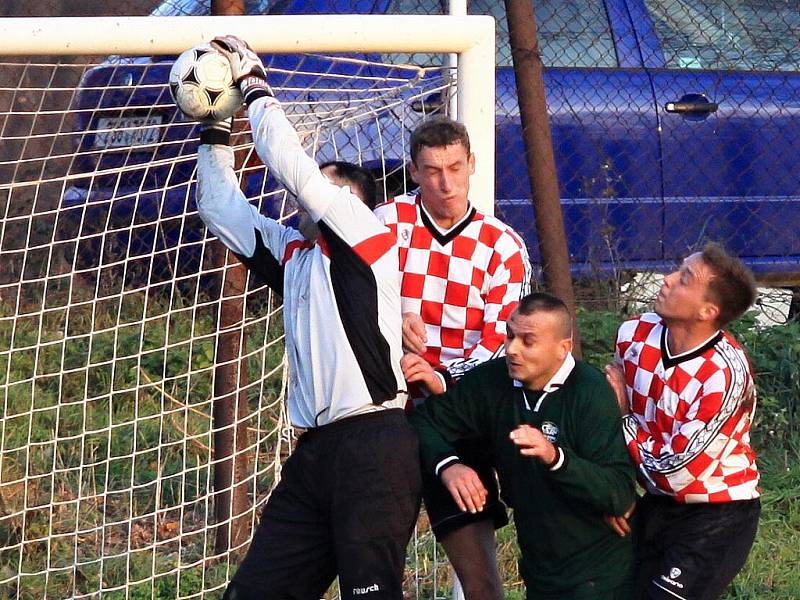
[550,431]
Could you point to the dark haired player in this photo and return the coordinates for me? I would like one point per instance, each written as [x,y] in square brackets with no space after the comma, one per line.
[348,496]
[552,425]
[686,391]
[463,272]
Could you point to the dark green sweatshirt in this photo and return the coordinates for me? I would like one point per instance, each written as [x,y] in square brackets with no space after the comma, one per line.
[564,542]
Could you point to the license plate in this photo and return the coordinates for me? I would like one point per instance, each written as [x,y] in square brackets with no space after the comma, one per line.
[120,132]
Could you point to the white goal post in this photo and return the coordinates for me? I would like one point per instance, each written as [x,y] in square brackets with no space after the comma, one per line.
[471,37]
[119,317]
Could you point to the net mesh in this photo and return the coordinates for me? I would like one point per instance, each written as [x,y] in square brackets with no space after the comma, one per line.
[142,370]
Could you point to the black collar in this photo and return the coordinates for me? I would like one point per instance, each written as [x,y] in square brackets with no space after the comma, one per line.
[671,361]
[448,237]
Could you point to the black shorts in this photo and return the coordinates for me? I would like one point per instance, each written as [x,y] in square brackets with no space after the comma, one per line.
[443,512]
[691,551]
[346,505]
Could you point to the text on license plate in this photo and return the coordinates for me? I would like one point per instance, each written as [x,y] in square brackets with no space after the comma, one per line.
[117,132]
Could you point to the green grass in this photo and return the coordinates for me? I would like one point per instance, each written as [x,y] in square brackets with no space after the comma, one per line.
[105,435]
[98,456]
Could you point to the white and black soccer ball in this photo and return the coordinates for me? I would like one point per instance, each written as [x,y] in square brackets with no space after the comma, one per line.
[201,83]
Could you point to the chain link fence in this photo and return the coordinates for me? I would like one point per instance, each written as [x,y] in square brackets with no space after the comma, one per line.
[673,123]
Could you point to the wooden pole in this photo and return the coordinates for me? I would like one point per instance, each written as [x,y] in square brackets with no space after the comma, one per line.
[230,407]
[545,196]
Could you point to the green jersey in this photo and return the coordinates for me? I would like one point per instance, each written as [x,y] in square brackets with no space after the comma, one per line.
[566,546]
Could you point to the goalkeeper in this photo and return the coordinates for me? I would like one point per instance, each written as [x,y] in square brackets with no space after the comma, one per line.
[349,494]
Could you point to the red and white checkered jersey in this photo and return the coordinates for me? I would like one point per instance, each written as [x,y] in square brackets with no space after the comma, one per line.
[689,427]
[464,282]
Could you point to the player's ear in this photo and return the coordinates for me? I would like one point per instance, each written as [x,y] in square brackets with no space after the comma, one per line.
[412,171]
[709,312]
[471,162]
[564,348]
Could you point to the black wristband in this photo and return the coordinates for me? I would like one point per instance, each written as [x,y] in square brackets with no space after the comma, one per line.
[254,87]
[216,132]
[214,135]
[448,378]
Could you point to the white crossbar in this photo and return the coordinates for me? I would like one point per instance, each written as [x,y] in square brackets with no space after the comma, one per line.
[471,37]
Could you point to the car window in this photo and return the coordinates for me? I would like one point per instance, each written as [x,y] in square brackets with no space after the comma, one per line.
[732,35]
[200,8]
[570,34]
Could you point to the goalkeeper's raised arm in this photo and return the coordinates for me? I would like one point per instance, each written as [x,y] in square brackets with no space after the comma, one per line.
[342,325]
[333,199]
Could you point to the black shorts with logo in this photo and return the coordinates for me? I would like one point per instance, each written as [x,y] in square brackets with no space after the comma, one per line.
[346,505]
[443,512]
[691,551]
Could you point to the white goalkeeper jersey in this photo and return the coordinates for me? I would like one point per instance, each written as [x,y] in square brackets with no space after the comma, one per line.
[341,295]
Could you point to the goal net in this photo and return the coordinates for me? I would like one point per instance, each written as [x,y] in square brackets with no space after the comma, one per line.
[142,371]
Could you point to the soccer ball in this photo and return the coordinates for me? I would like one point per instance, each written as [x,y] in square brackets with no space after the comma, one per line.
[202,85]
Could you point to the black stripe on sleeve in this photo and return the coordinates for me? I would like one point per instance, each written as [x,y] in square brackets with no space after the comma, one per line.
[356,292]
[265,265]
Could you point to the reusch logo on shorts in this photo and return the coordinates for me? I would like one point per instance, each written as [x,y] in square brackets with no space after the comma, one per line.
[360,591]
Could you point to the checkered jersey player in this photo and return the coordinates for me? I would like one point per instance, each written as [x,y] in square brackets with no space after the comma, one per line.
[349,494]
[687,395]
[463,273]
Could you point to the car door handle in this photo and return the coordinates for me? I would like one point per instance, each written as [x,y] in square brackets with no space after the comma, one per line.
[691,107]
[692,104]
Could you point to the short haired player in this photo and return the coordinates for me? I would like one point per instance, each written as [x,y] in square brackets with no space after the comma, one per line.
[463,272]
[686,391]
[348,496]
[552,424]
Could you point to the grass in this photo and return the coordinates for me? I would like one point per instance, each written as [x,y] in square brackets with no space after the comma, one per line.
[106,428]
[772,568]
[105,436]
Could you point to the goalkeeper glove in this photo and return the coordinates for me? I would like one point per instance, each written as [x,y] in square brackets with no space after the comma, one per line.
[216,132]
[247,68]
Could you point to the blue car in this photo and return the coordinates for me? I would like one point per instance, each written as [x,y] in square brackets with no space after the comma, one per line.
[673,122]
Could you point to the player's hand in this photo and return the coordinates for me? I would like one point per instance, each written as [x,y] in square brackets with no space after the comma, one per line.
[414,336]
[417,370]
[621,523]
[532,443]
[465,487]
[247,69]
[616,379]
[244,62]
